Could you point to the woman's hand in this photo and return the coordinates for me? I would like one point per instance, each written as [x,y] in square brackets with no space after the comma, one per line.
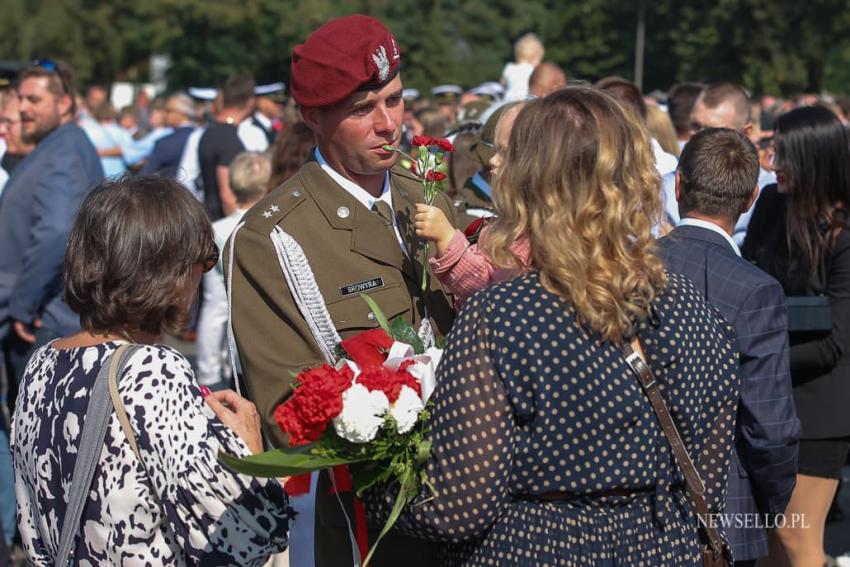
[238,414]
[431,224]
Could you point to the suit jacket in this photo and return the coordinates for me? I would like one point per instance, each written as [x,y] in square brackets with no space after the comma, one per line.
[37,210]
[167,152]
[820,362]
[350,249]
[764,463]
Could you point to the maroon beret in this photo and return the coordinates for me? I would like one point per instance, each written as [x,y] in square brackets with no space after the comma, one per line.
[343,56]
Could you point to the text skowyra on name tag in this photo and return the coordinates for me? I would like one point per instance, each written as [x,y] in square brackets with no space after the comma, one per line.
[361,287]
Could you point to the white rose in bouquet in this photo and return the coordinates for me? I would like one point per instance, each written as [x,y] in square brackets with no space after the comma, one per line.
[406,409]
[362,414]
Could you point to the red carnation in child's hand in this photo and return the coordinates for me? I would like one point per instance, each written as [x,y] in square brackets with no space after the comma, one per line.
[368,348]
[434,175]
[387,381]
[444,144]
[423,141]
[315,401]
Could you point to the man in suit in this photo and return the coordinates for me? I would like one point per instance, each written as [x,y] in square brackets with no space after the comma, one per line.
[37,210]
[351,212]
[715,182]
[165,158]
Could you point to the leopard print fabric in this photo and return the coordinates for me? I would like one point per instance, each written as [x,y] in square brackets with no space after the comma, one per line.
[178,506]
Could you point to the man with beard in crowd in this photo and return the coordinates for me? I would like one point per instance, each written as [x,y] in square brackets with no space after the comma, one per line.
[37,209]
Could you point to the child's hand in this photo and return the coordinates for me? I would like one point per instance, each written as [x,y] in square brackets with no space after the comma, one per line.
[431,224]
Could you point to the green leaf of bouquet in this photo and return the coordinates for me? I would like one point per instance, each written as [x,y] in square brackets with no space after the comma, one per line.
[407,491]
[367,475]
[284,462]
[402,331]
[379,314]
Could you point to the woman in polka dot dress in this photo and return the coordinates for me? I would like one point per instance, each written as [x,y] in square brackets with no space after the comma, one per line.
[545,450]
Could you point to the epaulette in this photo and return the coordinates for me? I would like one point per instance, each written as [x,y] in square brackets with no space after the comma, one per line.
[268,212]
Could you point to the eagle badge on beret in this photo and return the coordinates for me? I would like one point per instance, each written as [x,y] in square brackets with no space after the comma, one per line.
[382,62]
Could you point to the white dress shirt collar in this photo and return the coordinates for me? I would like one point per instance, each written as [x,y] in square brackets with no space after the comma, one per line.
[714,228]
[356,191]
[363,196]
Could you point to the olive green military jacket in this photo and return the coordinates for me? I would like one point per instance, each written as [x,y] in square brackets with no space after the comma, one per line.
[350,250]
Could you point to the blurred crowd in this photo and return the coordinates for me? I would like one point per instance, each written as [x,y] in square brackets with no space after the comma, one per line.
[230,145]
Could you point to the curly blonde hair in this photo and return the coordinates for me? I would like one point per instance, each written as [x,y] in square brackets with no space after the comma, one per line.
[579,181]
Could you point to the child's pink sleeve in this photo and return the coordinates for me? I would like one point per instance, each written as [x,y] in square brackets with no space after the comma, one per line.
[465,269]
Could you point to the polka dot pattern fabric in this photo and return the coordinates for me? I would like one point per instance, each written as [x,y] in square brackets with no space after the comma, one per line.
[529,403]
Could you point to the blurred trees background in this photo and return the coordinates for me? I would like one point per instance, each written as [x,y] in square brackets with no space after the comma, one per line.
[771,46]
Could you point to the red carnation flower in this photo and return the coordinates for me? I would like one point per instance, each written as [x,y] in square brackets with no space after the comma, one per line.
[444,144]
[316,400]
[423,141]
[387,381]
[434,175]
[297,485]
[367,348]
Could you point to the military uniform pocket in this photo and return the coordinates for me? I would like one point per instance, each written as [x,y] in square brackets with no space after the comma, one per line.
[352,314]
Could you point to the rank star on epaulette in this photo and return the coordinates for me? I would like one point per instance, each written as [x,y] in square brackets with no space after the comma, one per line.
[267,214]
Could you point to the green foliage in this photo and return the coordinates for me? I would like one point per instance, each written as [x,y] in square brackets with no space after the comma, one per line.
[780,46]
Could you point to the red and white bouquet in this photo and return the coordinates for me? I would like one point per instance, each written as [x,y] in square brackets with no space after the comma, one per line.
[369,411]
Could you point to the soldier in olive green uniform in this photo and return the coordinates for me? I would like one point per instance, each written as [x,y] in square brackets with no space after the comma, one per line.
[345,79]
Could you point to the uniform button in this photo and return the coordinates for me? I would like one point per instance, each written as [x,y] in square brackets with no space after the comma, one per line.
[296,193]
[371,317]
[343,212]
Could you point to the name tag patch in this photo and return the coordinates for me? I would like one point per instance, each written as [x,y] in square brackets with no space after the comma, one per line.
[361,287]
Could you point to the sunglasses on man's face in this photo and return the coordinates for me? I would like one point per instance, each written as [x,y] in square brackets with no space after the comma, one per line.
[211,260]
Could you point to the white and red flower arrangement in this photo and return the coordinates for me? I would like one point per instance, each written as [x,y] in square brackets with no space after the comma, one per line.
[430,157]
[369,411]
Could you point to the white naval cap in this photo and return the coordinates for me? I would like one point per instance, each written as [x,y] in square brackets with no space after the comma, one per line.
[447,90]
[490,88]
[202,93]
[271,88]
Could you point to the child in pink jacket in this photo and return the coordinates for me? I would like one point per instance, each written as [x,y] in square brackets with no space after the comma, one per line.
[462,267]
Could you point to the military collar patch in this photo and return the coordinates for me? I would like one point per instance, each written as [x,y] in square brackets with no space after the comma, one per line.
[361,287]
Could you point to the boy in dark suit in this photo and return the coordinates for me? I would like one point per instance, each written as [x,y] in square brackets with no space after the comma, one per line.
[716,181]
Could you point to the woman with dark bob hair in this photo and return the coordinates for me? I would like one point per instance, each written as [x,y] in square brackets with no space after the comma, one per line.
[158,495]
[809,253]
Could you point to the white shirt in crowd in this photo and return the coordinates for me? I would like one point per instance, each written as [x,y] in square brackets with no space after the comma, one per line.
[189,169]
[515,77]
[252,136]
[212,321]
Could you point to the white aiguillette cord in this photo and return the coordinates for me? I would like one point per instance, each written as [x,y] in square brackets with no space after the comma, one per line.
[308,298]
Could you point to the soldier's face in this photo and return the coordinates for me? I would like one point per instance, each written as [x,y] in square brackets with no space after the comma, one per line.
[351,133]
